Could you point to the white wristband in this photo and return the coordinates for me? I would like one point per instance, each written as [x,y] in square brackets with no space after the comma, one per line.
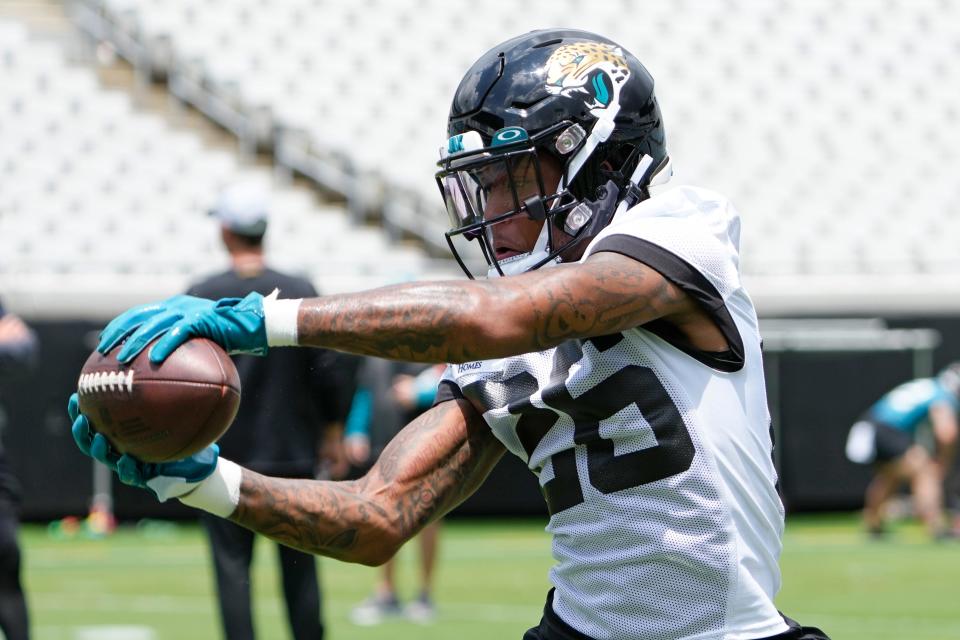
[280,319]
[218,494]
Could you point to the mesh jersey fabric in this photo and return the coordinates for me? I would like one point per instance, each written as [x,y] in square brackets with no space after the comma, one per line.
[655,460]
[907,406]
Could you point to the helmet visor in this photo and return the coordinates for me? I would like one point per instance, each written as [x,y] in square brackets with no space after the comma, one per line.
[467,190]
[486,186]
[463,197]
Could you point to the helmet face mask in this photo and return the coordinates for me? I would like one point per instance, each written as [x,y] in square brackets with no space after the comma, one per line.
[488,187]
[545,100]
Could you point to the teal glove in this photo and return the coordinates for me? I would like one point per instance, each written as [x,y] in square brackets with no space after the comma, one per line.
[235,324]
[166,480]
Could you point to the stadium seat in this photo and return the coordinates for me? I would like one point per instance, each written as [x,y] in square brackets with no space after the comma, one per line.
[810,116]
[90,187]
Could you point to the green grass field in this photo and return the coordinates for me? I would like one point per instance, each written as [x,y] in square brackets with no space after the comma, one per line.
[155,581]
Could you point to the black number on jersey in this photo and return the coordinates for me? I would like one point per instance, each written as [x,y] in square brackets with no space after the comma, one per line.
[632,385]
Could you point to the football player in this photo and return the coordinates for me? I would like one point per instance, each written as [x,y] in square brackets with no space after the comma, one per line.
[886,438]
[611,346]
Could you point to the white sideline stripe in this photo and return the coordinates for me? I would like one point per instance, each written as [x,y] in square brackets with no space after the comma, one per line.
[114,632]
[202,604]
[61,559]
[110,602]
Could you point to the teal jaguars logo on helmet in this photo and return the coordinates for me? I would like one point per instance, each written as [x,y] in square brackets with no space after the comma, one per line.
[593,69]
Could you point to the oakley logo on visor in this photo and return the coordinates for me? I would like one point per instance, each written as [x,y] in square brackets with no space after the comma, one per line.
[509,135]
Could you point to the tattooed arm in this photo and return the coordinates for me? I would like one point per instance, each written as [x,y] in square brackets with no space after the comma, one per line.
[481,319]
[431,466]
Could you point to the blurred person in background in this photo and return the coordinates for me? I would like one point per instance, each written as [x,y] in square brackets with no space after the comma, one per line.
[18,353]
[289,423]
[612,347]
[886,437]
[389,395]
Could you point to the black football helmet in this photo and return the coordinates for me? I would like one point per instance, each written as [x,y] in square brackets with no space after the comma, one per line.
[574,95]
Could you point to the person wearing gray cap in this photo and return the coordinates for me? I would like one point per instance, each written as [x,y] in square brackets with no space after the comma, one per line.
[289,419]
[243,210]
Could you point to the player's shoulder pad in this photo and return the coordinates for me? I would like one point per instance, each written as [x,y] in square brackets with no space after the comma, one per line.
[699,226]
[682,206]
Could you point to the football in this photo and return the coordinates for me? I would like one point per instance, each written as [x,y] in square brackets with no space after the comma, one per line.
[161,412]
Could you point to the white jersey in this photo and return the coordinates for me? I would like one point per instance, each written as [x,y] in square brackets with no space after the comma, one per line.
[654,458]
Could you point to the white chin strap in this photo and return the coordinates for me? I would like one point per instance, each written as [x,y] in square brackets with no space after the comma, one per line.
[525,261]
[662,177]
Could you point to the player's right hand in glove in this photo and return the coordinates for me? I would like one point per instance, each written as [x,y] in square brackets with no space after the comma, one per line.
[204,480]
[235,324]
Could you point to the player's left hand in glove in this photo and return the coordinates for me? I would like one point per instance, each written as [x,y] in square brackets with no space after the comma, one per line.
[204,480]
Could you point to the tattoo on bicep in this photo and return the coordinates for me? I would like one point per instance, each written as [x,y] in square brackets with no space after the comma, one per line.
[610,296]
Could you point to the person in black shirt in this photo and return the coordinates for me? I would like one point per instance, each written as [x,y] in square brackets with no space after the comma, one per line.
[289,423]
[390,394]
[18,350]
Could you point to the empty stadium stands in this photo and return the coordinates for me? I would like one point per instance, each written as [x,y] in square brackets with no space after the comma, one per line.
[102,205]
[832,124]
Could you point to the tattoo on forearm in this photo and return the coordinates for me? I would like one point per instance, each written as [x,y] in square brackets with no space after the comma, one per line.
[304,514]
[480,319]
[425,471]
